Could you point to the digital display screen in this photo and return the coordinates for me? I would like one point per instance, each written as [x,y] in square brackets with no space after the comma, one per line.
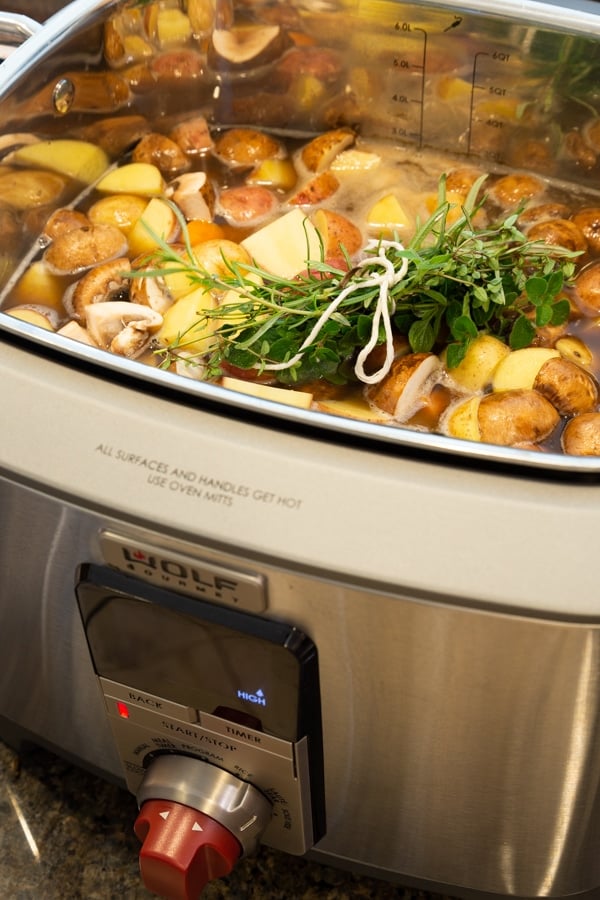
[198,654]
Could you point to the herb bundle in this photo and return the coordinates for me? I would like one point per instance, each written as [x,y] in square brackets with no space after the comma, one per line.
[452,281]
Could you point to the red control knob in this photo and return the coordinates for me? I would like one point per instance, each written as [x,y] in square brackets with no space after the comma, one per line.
[182,849]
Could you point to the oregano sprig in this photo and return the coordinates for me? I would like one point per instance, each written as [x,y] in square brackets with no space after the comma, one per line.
[457,279]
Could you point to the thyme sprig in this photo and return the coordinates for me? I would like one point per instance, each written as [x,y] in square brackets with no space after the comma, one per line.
[452,281]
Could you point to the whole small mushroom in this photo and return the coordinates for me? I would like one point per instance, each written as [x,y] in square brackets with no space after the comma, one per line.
[160,151]
[508,418]
[587,288]
[568,386]
[81,248]
[588,221]
[559,233]
[581,435]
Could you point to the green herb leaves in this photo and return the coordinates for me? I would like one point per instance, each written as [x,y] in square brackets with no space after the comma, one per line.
[458,277]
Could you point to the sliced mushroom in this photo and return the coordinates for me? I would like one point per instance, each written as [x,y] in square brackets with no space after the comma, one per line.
[104,283]
[151,292]
[132,341]
[82,248]
[407,386]
[194,194]
[245,45]
[121,327]
[9,142]
[581,436]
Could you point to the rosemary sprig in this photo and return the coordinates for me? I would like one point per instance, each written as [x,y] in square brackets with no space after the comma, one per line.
[453,281]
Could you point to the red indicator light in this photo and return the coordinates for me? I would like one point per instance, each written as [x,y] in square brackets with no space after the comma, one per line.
[122,709]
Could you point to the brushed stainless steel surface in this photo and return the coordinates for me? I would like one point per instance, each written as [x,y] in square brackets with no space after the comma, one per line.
[460,745]
[236,805]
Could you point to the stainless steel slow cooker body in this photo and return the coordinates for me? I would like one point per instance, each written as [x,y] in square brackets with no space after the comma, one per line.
[449,590]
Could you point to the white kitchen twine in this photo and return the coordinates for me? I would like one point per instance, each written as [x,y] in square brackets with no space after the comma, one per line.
[385,280]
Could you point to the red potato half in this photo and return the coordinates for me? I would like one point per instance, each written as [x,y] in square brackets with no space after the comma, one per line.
[338,233]
[318,155]
[247,204]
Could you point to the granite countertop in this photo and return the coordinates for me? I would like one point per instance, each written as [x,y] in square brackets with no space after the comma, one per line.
[67,835]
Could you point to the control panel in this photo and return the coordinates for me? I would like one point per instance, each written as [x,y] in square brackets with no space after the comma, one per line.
[196,687]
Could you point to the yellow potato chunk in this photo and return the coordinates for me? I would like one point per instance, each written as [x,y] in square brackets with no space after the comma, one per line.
[121,210]
[143,179]
[275,173]
[483,355]
[184,323]
[39,285]
[32,316]
[80,160]
[300,399]
[519,369]
[284,246]
[29,188]
[158,221]
[173,26]
[354,408]
[388,215]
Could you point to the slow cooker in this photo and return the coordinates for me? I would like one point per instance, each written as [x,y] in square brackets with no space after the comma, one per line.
[369,644]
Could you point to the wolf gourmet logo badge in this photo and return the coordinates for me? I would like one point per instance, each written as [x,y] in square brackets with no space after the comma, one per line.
[185,574]
[175,573]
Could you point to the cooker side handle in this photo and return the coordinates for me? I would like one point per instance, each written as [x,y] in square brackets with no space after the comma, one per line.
[14,30]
